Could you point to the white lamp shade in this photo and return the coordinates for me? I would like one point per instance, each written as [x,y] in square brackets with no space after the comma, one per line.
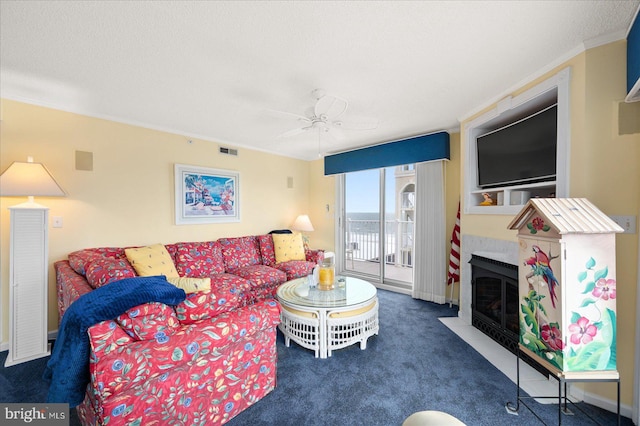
[302,224]
[28,179]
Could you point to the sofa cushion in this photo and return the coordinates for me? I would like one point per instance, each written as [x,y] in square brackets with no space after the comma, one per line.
[288,247]
[190,284]
[201,259]
[296,268]
[78,259]
[267,251]
[208,304]
[262,276]
[240,252]
[151,260]
[149,321]
[103,270]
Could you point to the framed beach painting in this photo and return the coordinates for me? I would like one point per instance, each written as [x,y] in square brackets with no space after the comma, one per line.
[205,195]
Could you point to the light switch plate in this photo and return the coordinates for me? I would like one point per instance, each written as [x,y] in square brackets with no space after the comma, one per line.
[628,223]
[57,221]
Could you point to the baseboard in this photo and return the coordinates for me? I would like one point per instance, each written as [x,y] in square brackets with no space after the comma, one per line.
[395,289]
[578,393]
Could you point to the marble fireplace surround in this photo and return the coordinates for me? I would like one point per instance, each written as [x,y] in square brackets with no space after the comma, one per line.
[504,251]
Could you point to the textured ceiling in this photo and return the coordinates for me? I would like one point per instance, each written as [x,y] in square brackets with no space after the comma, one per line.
[216,70]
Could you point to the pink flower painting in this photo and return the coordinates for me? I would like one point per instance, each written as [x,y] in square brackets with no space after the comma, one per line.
[605,289]
[582,331]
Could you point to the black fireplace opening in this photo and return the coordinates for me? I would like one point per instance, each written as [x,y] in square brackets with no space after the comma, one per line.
[495,303]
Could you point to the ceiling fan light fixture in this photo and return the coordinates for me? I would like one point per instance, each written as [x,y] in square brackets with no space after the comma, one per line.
[323,116]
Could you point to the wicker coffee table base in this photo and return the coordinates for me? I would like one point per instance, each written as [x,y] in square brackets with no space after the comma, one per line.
[324,330]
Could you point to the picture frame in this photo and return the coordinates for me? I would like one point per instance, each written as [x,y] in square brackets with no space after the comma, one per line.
[206,195]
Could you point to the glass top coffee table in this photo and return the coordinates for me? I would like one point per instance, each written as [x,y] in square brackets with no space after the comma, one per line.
[326,320]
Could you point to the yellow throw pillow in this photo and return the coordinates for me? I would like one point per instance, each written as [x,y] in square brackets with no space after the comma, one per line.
[151,260]
[288,247]
[191,285]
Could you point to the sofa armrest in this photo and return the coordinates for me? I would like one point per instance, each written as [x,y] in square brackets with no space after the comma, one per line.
[315,256]
[69,286]
[119,363]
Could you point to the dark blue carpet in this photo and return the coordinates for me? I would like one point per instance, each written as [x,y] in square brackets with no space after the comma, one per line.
[414,364]
[22,383]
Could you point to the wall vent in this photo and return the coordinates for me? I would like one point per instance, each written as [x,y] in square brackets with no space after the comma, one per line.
[228,151]
[84,160]
[629,117]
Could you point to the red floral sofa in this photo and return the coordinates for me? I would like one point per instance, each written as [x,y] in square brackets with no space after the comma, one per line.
[200,362]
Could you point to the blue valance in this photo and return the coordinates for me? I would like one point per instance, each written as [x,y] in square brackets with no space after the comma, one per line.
[434,146]
[633,54]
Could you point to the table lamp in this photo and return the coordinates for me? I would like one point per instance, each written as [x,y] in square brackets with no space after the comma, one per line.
[303,224]
[28,259]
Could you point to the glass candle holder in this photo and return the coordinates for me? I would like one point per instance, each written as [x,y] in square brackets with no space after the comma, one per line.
[327,275]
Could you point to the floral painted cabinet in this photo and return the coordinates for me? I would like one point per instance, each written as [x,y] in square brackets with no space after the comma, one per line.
[567,284]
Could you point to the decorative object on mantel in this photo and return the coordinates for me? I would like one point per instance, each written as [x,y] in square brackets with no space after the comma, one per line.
[303,224]
[567,285]
[488,201]
[28,264]
[205,195]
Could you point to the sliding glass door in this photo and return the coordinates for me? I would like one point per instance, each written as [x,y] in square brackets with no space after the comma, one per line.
[377,225]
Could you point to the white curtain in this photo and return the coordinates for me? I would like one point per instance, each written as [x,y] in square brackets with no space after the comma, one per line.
[430,279]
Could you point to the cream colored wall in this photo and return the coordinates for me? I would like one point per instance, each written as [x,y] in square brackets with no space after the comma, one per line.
[611,180]
[128,198]
[322,202]
[604,168]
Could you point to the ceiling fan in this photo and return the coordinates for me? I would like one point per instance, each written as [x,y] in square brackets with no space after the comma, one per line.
[326,117]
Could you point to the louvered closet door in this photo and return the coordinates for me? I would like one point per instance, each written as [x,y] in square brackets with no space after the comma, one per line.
[28,285]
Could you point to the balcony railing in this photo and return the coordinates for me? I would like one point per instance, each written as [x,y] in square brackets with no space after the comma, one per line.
[363,241]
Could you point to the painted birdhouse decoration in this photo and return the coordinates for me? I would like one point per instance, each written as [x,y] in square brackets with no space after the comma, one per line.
[567,284]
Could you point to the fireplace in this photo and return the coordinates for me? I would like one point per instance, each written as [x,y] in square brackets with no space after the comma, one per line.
[494,306]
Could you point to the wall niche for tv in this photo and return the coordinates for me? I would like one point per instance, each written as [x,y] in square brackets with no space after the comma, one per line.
[524,125]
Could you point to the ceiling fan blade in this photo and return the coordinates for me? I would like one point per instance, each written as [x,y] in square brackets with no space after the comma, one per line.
[293,132]
[336,134]
[285,114]
[356,123]
[330,107]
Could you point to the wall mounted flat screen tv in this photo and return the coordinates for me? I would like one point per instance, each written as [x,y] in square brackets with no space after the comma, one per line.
[519,153]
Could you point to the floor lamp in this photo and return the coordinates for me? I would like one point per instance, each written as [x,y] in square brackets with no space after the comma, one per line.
[28,259]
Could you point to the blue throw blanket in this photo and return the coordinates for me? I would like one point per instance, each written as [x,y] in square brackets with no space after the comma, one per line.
[68,368]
